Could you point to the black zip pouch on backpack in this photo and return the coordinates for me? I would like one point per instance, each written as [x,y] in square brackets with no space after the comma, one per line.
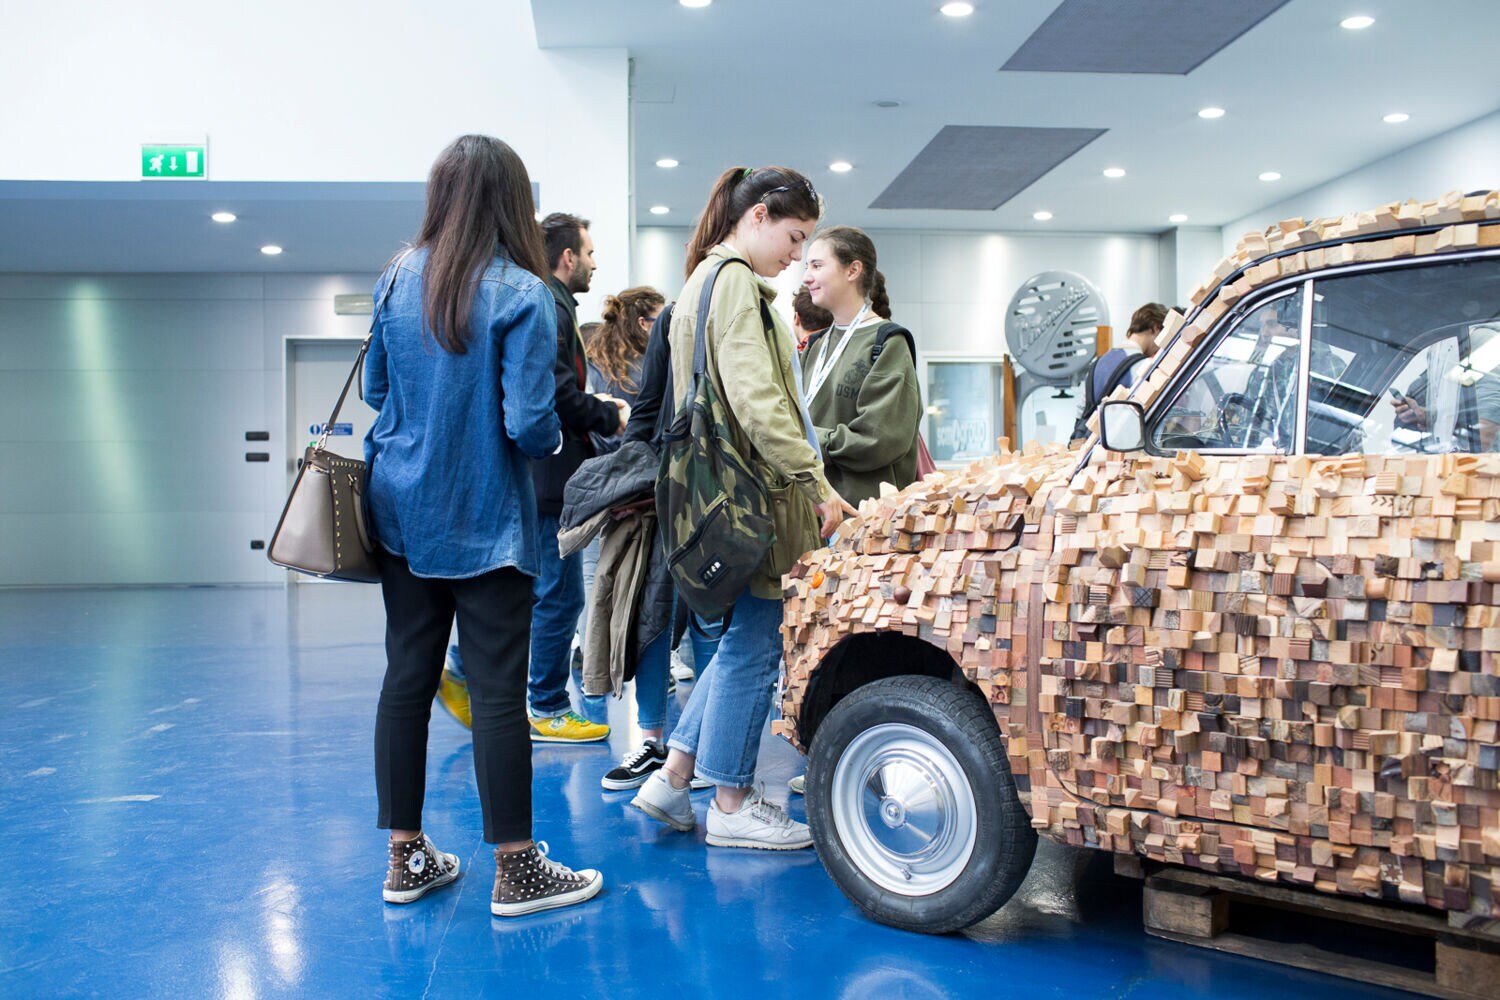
[714,513]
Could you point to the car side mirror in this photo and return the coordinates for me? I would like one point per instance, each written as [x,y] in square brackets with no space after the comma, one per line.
[1122,425]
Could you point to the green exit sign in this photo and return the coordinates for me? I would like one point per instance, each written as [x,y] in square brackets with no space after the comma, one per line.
[160,161]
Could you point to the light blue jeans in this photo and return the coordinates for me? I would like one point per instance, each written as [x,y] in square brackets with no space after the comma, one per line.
[652,672]
[731,698]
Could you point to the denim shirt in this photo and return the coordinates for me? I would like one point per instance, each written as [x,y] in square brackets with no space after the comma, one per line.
[450,480]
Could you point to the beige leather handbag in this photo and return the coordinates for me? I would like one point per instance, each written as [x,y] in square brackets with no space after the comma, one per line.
[322,529]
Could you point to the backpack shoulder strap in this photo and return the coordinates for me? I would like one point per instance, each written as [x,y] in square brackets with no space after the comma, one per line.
[705,300]
[1123,369]
[886,331]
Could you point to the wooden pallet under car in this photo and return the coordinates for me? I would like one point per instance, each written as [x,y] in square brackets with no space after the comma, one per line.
[1401,947]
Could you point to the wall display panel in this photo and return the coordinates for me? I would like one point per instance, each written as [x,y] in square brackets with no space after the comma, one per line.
[965,405]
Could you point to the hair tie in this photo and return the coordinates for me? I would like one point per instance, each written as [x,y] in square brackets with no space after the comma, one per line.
[746,175]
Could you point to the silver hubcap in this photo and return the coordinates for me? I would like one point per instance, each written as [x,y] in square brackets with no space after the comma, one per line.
[904,810]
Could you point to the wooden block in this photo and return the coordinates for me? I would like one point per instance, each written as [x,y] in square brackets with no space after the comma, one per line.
[1175,908]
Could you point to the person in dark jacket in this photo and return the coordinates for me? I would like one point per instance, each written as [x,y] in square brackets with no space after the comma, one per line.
[559,594]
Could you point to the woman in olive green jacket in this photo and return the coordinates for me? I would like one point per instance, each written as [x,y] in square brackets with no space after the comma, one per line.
[761,217]
[862,388]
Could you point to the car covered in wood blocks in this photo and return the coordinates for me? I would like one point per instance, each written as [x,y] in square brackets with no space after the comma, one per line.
[1254,629]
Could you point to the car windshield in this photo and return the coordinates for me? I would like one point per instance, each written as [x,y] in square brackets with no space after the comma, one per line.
[1401,360]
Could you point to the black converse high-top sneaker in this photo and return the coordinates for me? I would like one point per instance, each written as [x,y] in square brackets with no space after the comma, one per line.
[527,881]
[417,866]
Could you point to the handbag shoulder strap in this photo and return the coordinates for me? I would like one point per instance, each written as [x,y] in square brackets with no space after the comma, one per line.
[705,299]
[364,348]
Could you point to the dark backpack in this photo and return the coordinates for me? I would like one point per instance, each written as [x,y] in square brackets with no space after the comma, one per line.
[713,511]
[1091,399]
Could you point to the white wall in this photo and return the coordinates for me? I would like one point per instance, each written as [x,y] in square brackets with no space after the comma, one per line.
[1465,159]
[285,90]
[124,402]
[952,288]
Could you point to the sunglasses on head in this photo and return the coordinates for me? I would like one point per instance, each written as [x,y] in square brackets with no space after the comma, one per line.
[811,192]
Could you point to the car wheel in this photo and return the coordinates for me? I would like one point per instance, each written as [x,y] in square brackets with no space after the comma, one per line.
[913,807]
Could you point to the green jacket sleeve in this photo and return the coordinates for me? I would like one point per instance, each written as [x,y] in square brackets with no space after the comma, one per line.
[752,386]
[887,412]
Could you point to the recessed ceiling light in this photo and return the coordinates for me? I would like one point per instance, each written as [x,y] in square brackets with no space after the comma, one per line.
[223,217]
[1396,118]
[1358,22]
[1211,113]
[270,250]
[1114,173]
[695,3]
[666,163]
[841,166]
[1041,216]
[1270,175]
[1177,217]
[659,210]
[957,9]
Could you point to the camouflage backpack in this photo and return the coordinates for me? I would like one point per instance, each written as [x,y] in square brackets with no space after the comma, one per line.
[712,509]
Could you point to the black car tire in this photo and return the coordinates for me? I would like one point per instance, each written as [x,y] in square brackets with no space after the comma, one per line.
[954,727]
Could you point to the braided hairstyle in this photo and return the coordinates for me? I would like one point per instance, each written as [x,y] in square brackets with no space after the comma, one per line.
[849,245]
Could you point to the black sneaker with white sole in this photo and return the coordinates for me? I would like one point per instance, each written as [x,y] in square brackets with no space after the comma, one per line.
[637,766]
[416,867]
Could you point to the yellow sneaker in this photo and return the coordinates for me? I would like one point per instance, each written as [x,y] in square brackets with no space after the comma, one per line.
[570,727]
[453,695]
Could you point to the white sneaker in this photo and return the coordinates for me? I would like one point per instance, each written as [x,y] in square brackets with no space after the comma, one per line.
[680,670]
[757,823]
[798,785]
[659,800]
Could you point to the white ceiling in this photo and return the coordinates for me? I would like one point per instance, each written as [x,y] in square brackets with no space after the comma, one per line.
[793,82]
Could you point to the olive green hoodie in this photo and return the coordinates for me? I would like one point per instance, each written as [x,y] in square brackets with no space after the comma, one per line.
[753,375]
[867,416]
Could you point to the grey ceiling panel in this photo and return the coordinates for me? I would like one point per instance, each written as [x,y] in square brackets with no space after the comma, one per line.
[1137,36]
[981,167]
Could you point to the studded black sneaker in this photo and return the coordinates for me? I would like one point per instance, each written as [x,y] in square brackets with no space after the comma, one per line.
[527,881]
[417,866]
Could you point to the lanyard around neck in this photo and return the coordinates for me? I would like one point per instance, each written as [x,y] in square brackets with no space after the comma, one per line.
[825,364]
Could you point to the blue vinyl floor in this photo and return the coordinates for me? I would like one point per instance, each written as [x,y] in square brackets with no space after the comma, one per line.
[186,786]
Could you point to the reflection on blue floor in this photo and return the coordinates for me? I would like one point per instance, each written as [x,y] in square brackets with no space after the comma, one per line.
[186,780]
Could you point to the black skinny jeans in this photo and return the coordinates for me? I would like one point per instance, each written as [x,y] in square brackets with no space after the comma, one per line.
[494,636]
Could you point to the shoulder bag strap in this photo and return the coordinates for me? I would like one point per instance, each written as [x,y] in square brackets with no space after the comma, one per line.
[359,362]
[705,299]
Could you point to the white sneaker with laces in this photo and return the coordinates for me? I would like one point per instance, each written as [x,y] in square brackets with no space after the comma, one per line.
[659,800]
[757,823]
[680,670]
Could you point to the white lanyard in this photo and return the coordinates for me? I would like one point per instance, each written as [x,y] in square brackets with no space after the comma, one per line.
[823,367]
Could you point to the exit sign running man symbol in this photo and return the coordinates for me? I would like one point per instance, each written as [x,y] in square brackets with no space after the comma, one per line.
[178,162]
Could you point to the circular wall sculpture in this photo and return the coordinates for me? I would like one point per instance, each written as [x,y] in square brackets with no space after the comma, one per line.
[1051,325]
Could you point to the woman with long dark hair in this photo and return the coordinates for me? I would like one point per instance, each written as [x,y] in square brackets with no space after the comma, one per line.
[460,368]
[759,218]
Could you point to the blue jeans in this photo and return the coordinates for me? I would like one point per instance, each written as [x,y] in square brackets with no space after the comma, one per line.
[731,698]
[651,673]
[557,601]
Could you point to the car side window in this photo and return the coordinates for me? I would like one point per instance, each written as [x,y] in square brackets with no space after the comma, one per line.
[1244,396]
[1422,361]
